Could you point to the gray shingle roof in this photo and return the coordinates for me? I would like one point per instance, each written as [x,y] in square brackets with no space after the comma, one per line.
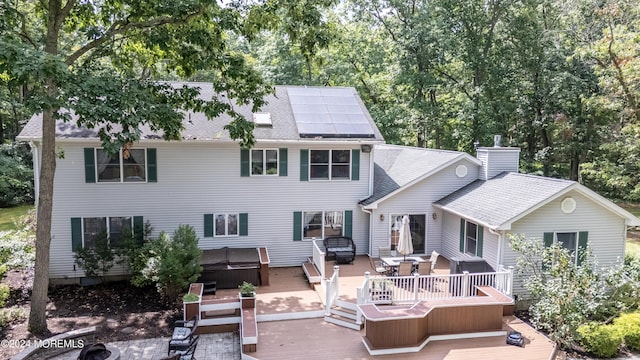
[198,127]
[496,201]
[397,166]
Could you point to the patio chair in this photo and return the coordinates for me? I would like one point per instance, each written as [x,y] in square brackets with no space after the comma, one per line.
[405,268]
[384,251]
[187,354]
[183,335]
[378,266]
[424,268]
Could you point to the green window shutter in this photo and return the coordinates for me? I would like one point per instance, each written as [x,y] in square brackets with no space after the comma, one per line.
[244,224]
[304,165]
[548,242]
[138,229]
[89,165]
[244,162]
[583,238]
[355,165]
[480,241]
[208,225]
[283,155]
[348,223]
[297,226]
[152,165]
[548,239]
[76,234]
[462,225]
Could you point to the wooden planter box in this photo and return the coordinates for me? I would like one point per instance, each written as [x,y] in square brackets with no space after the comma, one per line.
[248,302]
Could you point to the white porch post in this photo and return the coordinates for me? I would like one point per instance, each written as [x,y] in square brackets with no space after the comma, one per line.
[465,283]
[510,281]
[415,287]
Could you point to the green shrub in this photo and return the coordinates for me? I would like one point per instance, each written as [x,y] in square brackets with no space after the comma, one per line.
[629,327]
[96,261]
[170,263]
[17,247]
[11,315]
[600,340]
[4,294]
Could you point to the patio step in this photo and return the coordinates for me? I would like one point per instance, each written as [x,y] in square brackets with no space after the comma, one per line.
[313,275]
[345,317]
[348,323]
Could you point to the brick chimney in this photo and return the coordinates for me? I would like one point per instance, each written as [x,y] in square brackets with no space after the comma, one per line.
[497,159]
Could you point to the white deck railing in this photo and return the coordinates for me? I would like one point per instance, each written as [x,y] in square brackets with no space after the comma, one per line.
[318,259]
[332,290]
[411,289]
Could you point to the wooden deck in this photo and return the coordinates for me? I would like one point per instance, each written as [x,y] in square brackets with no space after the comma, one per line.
[289,291]
[315,339]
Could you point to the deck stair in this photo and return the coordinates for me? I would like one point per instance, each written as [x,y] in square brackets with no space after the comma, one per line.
[221,311]
[312,273]
[344,314]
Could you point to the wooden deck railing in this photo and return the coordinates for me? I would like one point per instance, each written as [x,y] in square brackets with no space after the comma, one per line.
[411,289]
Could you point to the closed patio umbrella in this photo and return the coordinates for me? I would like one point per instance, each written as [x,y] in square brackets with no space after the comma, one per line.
[405,243]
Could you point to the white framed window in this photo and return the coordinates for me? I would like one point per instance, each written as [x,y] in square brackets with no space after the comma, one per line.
[264,162]
[471,238]
[569,241]
[322,224]
[225,224]
[329,164]
[126,166]
[112,227]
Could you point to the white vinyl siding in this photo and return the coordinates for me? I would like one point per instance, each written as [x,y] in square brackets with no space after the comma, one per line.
[418,199]
[209,183]
[606,230]
[497,160]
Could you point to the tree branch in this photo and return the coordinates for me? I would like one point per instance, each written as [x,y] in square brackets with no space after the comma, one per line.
[121,27]
[67,9]
[380,18]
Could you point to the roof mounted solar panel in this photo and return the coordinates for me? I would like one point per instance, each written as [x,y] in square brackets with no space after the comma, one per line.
[329,113]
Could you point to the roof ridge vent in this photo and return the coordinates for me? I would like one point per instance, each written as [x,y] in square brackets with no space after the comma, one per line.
[262,119]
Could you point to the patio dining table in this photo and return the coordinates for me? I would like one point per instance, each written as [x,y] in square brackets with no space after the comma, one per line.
[394,261]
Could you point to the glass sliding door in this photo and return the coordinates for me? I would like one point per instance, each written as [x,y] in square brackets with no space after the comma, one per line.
[417,224]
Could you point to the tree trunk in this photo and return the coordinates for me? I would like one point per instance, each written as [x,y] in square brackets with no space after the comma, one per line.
[575,167]
[39,293]
[37,316]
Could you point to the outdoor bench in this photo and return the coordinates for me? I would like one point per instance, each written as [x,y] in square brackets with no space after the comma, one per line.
[340,248]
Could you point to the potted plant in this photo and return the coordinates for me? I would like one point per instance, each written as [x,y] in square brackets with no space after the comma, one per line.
[247,295]
[190,298]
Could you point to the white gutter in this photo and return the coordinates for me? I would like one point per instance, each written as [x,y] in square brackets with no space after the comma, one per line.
[36,172]
[490,227]
[227,141]
[370,213]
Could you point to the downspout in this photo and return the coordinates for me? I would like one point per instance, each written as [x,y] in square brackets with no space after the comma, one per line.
[499,251]
[370,213]
[36,171]
[371,170]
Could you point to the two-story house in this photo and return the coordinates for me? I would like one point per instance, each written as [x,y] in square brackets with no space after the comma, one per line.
[319,168]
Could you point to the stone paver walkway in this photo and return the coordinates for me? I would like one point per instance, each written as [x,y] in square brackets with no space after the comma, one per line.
[223,346]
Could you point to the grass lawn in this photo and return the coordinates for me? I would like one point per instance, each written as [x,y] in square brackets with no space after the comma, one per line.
[9,215]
